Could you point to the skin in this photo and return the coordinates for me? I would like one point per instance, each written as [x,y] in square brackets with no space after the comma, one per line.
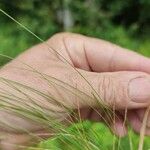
[120,77]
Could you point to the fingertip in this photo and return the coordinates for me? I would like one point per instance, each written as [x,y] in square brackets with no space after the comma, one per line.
[119,128]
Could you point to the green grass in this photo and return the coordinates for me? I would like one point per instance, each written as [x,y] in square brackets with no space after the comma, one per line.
[104,140]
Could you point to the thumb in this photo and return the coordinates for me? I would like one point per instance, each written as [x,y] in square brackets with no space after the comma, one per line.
[123,89]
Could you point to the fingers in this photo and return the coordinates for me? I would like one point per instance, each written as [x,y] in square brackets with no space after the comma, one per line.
[118,127]
[136,123]
[104,56]
[140,114]
[97,55]
[119,89]
[116,123]
[100,56]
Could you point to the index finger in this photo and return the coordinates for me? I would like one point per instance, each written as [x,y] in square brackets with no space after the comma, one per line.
[98,55]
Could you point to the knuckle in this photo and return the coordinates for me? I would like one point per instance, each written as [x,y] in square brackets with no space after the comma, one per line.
[65,35]
[61,35]
[106,89]
[112,91]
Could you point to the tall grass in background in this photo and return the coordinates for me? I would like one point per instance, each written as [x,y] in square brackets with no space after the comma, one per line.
[78,136]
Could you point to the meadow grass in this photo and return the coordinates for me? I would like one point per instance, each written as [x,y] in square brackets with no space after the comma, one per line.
[82,135]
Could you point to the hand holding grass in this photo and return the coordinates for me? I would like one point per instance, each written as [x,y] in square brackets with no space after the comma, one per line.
[118,78]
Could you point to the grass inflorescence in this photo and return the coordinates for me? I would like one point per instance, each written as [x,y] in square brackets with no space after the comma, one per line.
[23,102]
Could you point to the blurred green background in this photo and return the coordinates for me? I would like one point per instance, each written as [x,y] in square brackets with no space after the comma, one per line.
[124,22]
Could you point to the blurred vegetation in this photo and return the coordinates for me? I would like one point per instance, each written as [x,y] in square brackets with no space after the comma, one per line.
[124,22]
[96,136]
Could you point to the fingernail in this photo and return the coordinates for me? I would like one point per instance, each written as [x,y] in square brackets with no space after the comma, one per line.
[139,90]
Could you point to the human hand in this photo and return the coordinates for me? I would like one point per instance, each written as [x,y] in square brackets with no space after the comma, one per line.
[119,77]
